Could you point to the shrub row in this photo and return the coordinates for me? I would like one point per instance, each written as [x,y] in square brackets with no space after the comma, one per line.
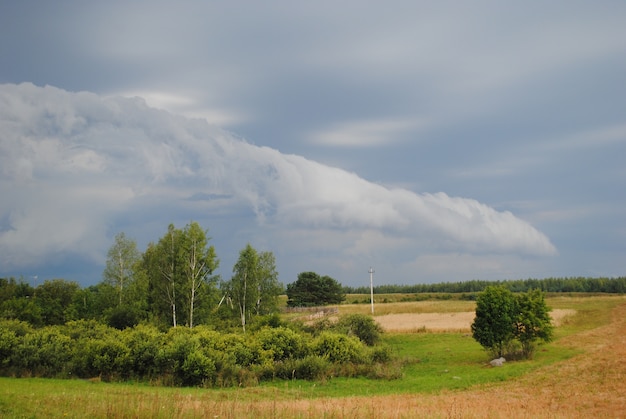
[183,356]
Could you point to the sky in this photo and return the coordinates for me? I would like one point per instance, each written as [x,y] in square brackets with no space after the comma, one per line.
[433,141]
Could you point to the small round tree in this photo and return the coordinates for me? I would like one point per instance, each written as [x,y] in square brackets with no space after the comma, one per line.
[496,315]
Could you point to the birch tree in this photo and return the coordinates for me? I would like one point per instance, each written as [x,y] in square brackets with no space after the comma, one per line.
[199,264]
[121,263]
[180,270]
[162,264]
[268,286]
[254,285]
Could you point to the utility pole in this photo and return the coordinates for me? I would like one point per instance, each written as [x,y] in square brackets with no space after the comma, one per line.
[371,271]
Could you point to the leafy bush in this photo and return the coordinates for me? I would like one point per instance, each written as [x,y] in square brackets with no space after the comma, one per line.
[269,320]
[244,352]
[85,329]
[338,348]
[19,328]
[183,356]
[11,333]
[362,326]
[143,343]
[178,344]
[282,343]
[197,369]
[380,354]
[43,352]
[311,367]
[207,338]
[8,342]
[106,358]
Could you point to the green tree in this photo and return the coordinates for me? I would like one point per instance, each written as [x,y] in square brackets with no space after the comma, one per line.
[269,287]
[199,263]
[17,302]
[121,264]
[162,265]
[24,309]
[494,324]
[313,290]
[178,272]
[254,286]
[55,298]
[93,302]
[533,321]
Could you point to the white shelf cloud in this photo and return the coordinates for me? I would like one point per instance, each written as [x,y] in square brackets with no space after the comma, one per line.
[75,166]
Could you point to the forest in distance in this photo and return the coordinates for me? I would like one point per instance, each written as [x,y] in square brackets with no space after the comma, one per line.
[609,285]
[58,301]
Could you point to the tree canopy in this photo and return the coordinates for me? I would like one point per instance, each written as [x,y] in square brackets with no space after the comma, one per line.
[311,290]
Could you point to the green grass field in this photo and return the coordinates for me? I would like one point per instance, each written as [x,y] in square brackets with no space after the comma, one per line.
[435,362]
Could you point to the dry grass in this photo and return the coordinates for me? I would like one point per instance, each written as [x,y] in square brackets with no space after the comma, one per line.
[415,307]
[429,306]
[443,322]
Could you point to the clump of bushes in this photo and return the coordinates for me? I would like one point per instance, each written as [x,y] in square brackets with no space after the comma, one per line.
[358,325]
[194,357]
[361,326]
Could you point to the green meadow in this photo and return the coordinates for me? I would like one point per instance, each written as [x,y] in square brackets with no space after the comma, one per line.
[426,363]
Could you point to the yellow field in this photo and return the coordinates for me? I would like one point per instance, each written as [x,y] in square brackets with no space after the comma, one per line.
[443,322]
[429,306]
[428,316]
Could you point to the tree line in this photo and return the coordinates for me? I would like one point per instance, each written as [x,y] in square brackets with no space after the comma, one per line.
[614,285]
[173,282]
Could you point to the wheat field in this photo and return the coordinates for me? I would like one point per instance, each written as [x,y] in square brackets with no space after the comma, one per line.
[444,322]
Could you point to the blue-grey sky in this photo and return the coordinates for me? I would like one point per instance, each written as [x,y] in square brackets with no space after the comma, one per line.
[434,141]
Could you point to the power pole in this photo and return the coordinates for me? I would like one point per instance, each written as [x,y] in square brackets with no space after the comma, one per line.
[371,271]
